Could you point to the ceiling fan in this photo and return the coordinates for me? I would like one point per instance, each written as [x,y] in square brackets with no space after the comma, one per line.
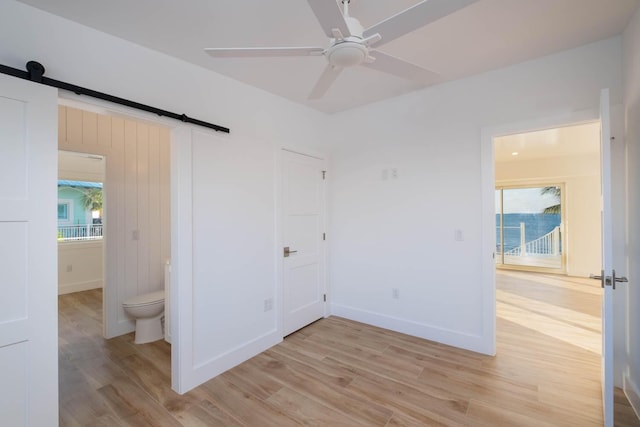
[350,44]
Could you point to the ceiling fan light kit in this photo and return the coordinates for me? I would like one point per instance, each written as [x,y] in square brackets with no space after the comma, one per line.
[346,54]
[350,44]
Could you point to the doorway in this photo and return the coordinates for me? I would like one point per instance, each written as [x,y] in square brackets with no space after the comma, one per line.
[549,180]
[80,221]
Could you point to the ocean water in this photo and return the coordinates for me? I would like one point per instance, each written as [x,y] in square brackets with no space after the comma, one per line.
[536,225]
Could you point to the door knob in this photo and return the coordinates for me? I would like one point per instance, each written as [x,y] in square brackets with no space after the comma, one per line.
[287,251]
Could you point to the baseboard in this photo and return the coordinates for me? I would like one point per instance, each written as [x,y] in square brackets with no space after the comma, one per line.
[195,375]
[78,287]
[476,343]
[632,392]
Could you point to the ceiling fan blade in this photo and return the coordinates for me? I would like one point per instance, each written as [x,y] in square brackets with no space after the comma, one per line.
[415,17]
[250,52]
[325,81]
[392,65]
[329,16]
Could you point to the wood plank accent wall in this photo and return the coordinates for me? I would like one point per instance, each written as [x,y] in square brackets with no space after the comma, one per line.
[137,202]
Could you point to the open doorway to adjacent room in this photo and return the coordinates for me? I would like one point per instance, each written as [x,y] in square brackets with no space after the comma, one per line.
[114,243]
[548,241]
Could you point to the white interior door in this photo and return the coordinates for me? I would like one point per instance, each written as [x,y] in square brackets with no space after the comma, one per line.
[303,231]
[28,254]
[607,274]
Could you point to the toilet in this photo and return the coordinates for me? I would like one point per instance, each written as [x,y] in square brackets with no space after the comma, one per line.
[148,310]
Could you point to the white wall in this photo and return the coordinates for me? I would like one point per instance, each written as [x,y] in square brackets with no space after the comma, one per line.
[399,233]
[581,177]
[79,266]
[233,177]
[631,73]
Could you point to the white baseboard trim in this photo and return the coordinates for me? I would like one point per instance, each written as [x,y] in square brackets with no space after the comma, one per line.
[79,286]
[195,375]
[476,343]
[632,392]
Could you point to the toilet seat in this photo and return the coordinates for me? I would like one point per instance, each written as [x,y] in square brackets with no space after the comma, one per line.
[144,299]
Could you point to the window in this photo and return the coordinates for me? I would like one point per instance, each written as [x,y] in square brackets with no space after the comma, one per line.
[65,211]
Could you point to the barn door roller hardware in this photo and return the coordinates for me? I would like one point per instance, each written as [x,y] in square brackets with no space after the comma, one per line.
[35,73]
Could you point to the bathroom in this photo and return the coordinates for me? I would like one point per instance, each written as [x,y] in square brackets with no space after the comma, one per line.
[133,257]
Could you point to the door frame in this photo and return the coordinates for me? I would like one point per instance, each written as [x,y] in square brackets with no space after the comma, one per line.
[488,274]
[179,134]
[280,230]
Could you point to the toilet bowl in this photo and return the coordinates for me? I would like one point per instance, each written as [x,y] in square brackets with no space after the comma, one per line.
[148,310]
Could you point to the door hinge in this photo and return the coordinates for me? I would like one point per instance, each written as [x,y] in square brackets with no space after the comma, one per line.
[325,297]
[324,174]
[324,236]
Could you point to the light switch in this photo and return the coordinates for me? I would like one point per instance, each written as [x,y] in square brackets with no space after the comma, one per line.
[457,235]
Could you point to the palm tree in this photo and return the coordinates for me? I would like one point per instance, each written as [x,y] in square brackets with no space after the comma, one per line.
[92,199]
[555,192]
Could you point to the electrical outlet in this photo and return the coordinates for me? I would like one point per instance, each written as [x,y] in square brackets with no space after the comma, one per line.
[394,173]
[69,268]
[268,304]
[395,293]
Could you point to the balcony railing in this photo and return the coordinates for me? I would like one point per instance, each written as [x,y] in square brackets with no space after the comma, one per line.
[79,232]
[549,244]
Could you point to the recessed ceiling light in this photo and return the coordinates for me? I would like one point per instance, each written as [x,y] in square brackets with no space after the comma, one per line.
[515,153]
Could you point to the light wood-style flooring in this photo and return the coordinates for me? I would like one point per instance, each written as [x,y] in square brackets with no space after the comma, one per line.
[337,372]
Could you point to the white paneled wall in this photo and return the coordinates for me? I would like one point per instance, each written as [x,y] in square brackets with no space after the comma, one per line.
[137,202]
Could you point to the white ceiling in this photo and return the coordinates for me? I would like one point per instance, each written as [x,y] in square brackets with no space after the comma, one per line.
[80,166]
[566,141]
[487,35]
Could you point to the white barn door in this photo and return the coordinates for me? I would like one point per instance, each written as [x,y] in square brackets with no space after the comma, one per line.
[28,254]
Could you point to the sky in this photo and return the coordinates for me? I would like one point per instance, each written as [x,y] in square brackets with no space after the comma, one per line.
[524,200]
